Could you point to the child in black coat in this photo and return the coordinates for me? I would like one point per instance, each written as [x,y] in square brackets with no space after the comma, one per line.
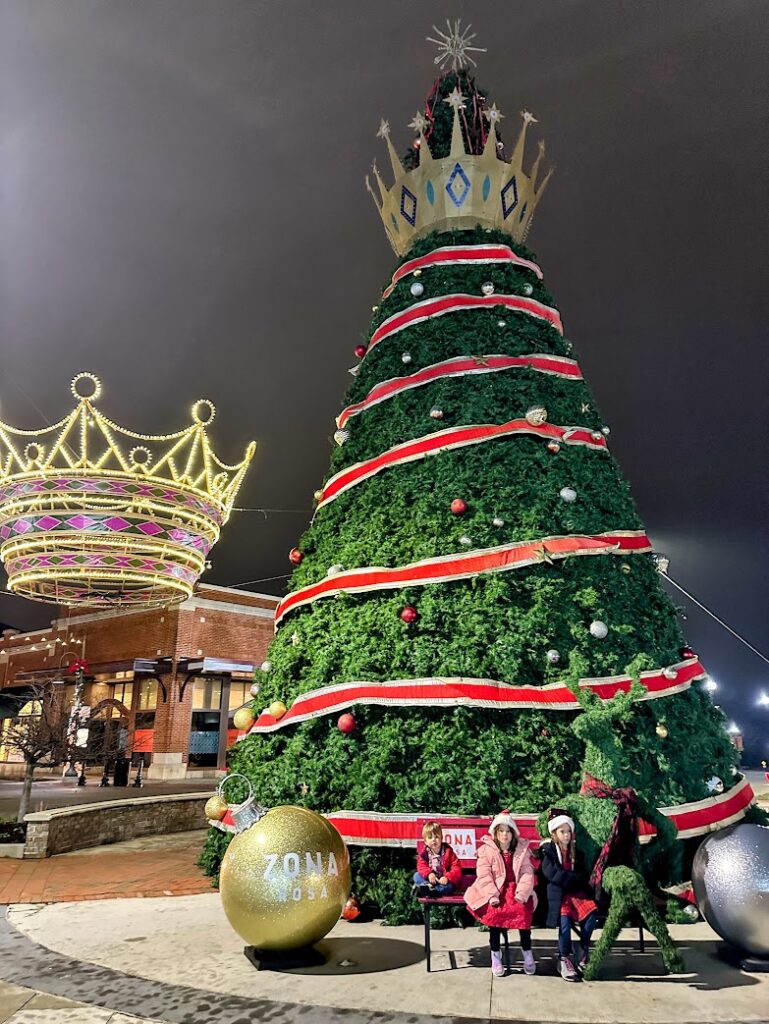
[569,898]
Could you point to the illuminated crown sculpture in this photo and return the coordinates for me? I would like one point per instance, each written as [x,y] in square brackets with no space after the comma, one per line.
[463,189]
[84,521]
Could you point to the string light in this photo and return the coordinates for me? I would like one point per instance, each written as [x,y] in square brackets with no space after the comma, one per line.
[89,522]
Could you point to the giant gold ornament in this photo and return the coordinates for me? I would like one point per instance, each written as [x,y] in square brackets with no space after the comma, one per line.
[285,880]
[730,875]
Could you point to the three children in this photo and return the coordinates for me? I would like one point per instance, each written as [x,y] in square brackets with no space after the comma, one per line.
[502,895]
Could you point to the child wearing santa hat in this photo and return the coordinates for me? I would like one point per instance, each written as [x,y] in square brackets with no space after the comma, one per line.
[502,895]
[569,899]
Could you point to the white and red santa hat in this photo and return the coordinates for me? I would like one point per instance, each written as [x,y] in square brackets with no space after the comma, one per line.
[558,820]
[504,818]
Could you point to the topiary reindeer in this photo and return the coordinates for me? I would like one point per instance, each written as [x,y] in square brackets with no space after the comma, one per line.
[606,814]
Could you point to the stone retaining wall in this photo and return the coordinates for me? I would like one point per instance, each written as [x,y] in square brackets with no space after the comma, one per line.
[113,821]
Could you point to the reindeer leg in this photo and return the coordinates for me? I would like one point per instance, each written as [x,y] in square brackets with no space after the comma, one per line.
[618,909]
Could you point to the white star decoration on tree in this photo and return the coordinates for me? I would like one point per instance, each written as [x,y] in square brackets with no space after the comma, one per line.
[384,129]
[454,47]
[454,99]
[528,117]
[418,122]
[493,114]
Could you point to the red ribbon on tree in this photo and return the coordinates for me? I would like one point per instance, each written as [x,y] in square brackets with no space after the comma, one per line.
[619,849]
[79,665]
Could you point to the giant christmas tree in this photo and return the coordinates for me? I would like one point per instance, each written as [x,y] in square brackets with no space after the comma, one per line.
[473,541]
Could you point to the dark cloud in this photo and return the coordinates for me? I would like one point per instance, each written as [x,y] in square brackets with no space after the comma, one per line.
[183,212]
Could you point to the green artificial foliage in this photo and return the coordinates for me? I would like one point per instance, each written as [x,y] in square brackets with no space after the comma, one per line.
[499,626]
[629,892]
[628,888]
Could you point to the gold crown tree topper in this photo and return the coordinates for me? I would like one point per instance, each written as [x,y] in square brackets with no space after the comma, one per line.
[92,513]
[457,178]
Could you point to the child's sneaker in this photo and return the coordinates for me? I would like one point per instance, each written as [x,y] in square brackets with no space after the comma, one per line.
[529,963]
[584,956]
[567,970]
[497,967]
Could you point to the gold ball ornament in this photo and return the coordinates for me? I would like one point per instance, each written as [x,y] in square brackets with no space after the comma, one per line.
[661,730]
[285,881]
[277,709]
[216,808]
[243,719]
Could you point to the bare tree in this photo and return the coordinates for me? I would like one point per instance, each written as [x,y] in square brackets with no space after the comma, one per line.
[42,738]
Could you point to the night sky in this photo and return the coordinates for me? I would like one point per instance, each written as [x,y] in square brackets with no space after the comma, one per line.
[183,213]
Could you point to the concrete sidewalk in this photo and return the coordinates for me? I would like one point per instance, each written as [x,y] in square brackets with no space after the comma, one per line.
[20,1005]
[185,946]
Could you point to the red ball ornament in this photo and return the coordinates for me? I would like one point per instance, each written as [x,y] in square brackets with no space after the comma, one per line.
[360,351]
[295,556]
[351,909]
[346,723]
[458,507]
[687,652]
[409,614]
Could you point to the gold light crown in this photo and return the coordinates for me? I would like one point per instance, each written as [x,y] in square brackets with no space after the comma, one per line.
[92,513]
[461,190]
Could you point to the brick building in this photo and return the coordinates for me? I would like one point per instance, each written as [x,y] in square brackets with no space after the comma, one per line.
[167,681]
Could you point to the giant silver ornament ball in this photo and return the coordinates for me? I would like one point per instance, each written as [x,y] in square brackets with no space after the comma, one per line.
[730,874]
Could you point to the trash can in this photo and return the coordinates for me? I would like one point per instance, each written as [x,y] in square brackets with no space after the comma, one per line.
[122,765]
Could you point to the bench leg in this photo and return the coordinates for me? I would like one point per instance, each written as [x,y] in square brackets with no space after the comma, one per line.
[641,943]
[426,912]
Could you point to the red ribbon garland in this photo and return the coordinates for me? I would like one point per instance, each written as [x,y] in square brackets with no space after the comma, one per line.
[485,693]
[459,255]
[461,366]
[447,440]
[430,308]
[464,565]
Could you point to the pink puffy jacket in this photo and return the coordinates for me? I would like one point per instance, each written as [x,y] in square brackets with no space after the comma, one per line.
[490,874]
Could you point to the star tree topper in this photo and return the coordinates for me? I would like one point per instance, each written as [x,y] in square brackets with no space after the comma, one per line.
[454,47]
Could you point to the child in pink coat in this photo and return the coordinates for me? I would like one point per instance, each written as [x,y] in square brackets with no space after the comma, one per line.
[502,895]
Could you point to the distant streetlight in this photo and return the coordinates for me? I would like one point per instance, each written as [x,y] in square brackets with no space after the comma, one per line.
[763,700]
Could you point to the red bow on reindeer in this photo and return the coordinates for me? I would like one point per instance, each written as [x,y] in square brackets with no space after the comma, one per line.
[620,847]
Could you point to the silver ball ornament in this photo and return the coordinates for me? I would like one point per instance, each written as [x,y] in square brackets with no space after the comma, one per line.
[536,415]
[340,436]
[567,494]
[406,357]
[487,288]
[333,570]
[501,323]
[714,784]
[496,521]
[730,875]
[527,289]
[266,666]
[605,431]
[553,656]
[254,691]
[436,413]
[464,539]
[417,289]
[599,629]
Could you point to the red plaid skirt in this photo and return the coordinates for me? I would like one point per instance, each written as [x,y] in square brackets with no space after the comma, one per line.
[577,907]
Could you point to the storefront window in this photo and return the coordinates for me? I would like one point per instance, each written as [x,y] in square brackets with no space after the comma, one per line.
[207,695]
[148,695]
[240,694]
[124,693]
